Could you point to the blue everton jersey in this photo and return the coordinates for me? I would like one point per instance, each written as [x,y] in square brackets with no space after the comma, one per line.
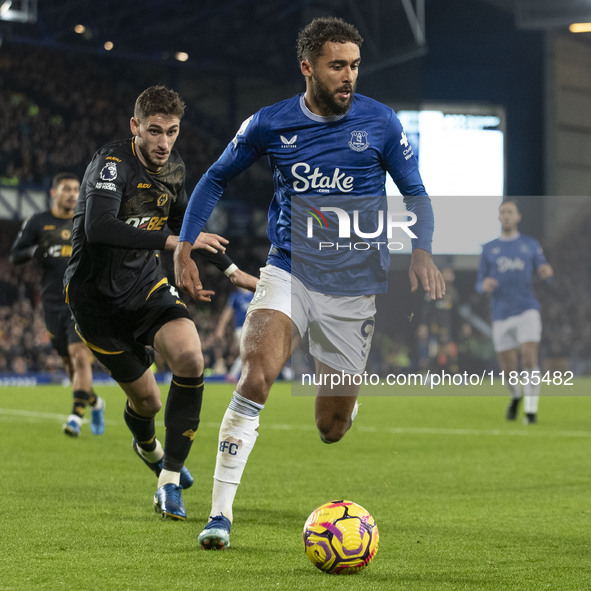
[323,158]
[512,262]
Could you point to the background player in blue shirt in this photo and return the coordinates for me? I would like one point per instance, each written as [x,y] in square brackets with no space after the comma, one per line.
[330,144]
[234,311]
[506,269]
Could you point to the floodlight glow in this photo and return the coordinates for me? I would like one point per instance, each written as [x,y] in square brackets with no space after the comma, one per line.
[5,8]
[580,28]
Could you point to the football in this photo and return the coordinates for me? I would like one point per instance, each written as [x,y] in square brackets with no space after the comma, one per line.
[340,537]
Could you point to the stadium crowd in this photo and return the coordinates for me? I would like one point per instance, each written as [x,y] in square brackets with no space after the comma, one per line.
[566,302]
[57,108]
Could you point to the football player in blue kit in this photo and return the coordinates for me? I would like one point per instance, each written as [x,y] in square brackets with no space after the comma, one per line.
[506,269]
[327,142]
[234,311]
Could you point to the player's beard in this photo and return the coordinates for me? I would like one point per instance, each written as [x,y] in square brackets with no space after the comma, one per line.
[152,164]
[326,98]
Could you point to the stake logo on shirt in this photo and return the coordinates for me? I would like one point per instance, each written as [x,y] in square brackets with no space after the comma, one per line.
[505,264]
[338,180]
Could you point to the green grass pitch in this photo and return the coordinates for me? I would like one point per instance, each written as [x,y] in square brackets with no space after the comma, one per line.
[463,499]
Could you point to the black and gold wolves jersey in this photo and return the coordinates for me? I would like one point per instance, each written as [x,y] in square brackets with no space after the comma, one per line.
[119,223]
[48,239]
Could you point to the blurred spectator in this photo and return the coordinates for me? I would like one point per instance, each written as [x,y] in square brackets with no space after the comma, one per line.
[475,352]
[422,348]
[58,107]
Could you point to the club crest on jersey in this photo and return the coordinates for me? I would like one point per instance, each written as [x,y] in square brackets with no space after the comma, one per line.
[359,141]
[66,234]
[109,172]
[162,199]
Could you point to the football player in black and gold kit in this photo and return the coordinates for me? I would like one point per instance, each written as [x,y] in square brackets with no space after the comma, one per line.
[47,237]
[131,206]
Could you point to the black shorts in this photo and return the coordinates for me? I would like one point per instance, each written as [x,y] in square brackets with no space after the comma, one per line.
[122,341]
[60,325]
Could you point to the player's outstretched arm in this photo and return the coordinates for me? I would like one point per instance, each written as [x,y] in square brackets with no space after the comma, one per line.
[210,242]
[186,273]
[242,279]
[423,270]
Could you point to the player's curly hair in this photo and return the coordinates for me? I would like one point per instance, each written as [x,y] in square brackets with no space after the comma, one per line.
[314,35]
[158,99]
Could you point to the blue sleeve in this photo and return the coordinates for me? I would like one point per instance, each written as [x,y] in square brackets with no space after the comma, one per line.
[404,170]
[420,205]
[417,201]
[239,154]
[539,258]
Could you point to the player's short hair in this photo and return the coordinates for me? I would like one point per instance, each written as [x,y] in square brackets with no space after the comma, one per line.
[511,200]
[63,176]
[158,100]
[313,36]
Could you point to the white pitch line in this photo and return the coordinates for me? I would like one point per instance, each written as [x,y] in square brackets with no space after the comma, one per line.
[31,414]
[34,415]
[529,431]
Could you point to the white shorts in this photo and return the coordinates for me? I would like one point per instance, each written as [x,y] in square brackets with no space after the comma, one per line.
[516,330]
[237,333]
[339,328]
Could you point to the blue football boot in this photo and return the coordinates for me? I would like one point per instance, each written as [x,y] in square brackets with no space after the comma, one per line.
[168,501]
[216,535]
[72,427]
[97,419]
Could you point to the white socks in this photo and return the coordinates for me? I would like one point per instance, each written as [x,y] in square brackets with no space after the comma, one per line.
[166,477]
[238,433]
[531,392]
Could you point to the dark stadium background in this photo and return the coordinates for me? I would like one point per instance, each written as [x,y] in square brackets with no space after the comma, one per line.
[62,95]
